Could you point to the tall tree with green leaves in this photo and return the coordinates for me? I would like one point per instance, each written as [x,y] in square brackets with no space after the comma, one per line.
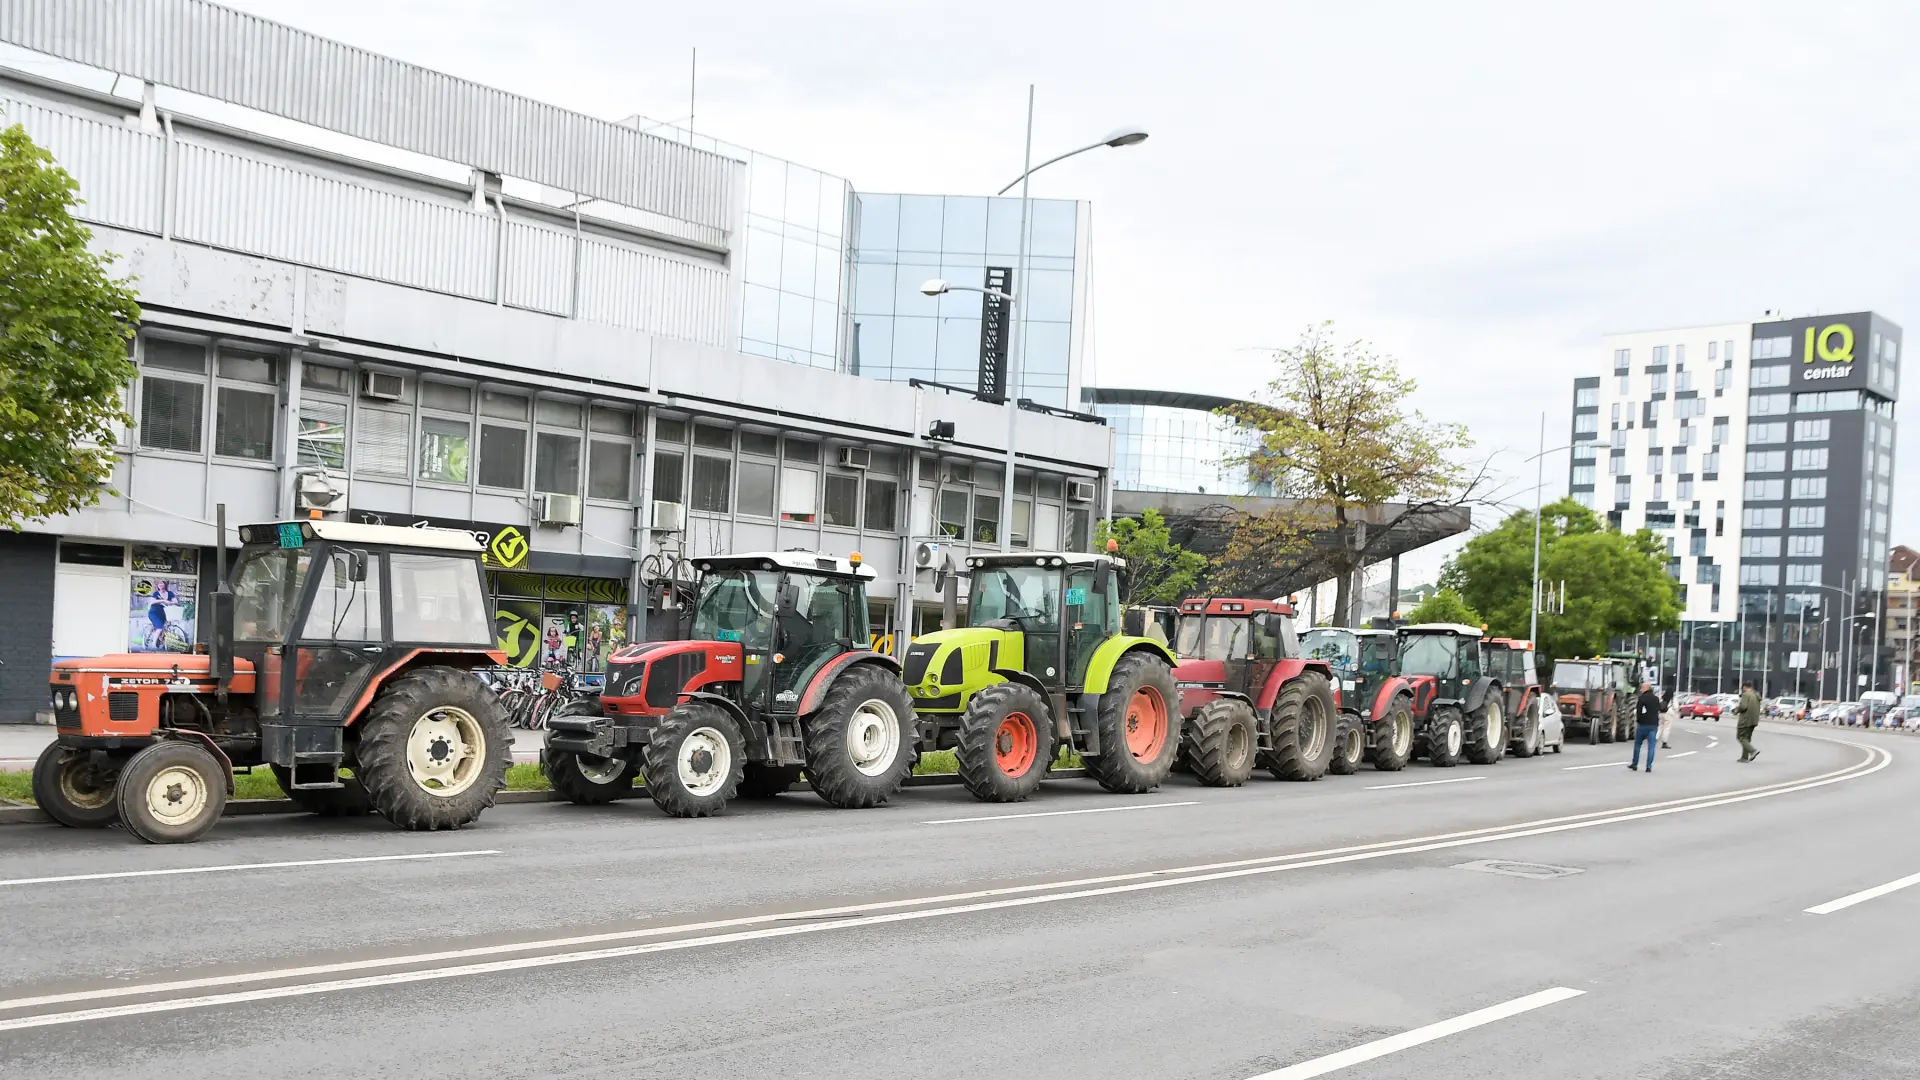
[1616,585]
[64,326]
[1337,441]
[1159,571]
[1445,606]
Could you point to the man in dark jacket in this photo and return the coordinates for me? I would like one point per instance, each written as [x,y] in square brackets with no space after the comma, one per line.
[1749,720]
[1647,730]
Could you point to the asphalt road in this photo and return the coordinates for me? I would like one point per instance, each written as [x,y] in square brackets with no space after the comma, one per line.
[1528,919]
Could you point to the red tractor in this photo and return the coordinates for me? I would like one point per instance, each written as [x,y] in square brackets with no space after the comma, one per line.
[1511,662]
[1248,695]
[777,680]
[1377,704]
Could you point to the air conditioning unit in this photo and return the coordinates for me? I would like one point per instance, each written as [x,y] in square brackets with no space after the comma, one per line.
[926,556]
[318,491]
[557,509]
[382,385]
[1080,491]
[856,457]
[669,516]
[959,472]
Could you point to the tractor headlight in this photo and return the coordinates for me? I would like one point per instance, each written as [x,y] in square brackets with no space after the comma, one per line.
[631,688]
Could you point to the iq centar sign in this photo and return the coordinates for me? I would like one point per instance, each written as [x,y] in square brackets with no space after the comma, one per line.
[1833,344]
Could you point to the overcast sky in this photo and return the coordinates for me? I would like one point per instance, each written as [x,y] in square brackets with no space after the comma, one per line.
[1479,188]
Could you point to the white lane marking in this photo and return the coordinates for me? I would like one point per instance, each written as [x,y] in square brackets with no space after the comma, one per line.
[1681,754]
[1877,758]
[1711,743]
[1602,765]
[1864,895]
[228,867]
[1425,783]
[1378,1048]
[1058,813]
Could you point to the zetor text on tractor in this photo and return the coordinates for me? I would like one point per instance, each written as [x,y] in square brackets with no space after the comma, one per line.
[1459,707]
[1248,695]
[338,646]
[776,680]
[1376,704]
[1041,663]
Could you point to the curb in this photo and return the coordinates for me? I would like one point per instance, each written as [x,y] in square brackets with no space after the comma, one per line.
[33,815]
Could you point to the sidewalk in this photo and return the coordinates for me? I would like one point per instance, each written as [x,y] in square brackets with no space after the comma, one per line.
[20,745]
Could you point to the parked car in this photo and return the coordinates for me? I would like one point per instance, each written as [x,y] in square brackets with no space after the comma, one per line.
[1792,707]
[1897,716]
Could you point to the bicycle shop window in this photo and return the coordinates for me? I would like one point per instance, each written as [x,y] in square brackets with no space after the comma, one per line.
[321,422]
[503,440]
[246,400]
[609,453]
[383,435]
[556,446]
[173,392]
[438,598]
[446,432]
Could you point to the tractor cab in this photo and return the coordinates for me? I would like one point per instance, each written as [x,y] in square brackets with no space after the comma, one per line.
[1362,662]
[790,616]
[1448,652]
[1230,644]
[1459,704]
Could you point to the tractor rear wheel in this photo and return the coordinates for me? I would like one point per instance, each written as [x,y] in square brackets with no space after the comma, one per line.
[434,749]
[758,781]
[1139,726]
[171,792]
[1487,731]
[1225,743]
[1393,736]
[1446,737]
[72,789]
[1527,741]
[1350,748]
[695,756]
[1302,726]
[1005,743]
[347,800]
[860,741]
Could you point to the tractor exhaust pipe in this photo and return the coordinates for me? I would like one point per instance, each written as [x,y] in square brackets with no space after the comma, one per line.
[220,635]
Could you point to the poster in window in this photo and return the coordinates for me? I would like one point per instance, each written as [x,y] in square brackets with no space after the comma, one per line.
[516,630]
[554,642]
[149,559]
[162,614]
[606,631]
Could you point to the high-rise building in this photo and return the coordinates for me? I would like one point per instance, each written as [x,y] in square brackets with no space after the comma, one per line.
[1763,454]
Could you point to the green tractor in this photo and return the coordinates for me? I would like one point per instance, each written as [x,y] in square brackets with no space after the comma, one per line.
[1042,663]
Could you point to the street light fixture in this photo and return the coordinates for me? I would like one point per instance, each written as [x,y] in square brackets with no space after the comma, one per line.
[940,287]
[1126,136]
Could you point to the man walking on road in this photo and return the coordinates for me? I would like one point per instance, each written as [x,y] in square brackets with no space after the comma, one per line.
[1749,719]
[1647,730]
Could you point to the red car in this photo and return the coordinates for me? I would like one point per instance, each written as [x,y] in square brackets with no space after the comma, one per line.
[1701,707]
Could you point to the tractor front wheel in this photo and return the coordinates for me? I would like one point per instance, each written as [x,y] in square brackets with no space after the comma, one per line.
[1350,748]
[1393,736]
[434,749]
[171,793]
[695,757]
[860,742]
[347,800]
[1005,743]
[1303,728]
[1225,743]
[1139,726]
[73,789]
[586,779]
[1446,737]
[1487,731]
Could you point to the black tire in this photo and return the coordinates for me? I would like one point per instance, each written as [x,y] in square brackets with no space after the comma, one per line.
[1393,735]
[1527,743]
[347,800]
[73,789]
[1139,726]
[588,779]
[860,740]
[466,743]
[995,743]
[709,739]
[1487,731]
[1349,747]
[171,792]
[758,781]
[1446,737]
[1226,744]
[1183,760]
[1303,726]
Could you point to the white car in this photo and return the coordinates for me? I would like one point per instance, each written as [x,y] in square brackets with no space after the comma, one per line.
[1553,724]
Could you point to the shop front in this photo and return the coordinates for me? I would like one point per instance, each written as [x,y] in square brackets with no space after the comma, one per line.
[112,596]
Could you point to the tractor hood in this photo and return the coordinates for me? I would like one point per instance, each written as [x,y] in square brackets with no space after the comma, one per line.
[185,667]
[944,668]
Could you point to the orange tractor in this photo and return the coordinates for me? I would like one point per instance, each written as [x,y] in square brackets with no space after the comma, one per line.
[338,646]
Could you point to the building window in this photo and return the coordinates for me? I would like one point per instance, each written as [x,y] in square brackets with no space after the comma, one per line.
[1622,361]
[1882,464]
[883,502]
[1770,375]
[1584,498]
[1807,517]
[669,476]
[756,490]
[1719,382]
[1582,477]
[1713,350]
[1769,404]
[1583,452]
[1586,397]
[1827,401]
[1760,490]
[1803,573]
[556,463]
[986,518]
[1586,423]
[503,449]
[953,511]
[381,440]
[1680,459]
[1659,385]
[709,437]
[1697,543]
[444,449]
[1658,496]
[841,507]
[1759,547]
[1807,546]
[1046,522]
[1760,517]
[171,408]
[1622,490]
[1810,460]
[799,492]
[1812,430]
[609,469]
[1706,573]
[1808,487]
[1659,356]
[1764,434]
[1656,462]
[1766,461]
[1770,348]
[1683,488]
[1618,438]
[712,482]
[1616,414]
[323,433]
[1624,386]
[244,414]
[1710,464]
[1682,382]
[1617,463]
[1719,430]
[1759,574]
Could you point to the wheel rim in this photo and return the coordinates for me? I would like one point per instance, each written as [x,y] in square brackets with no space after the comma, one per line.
[1356,747]
[599,770]
[1495,721]
[1402,733]
[704,760]
[445,751]
[176,795]
[80,784]
[1015,744]
[1453,737]
[1146,724]
[1313,728]
[1239,745]
[873,737]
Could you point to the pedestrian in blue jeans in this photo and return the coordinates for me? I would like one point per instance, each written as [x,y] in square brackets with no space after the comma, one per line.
[1648,710]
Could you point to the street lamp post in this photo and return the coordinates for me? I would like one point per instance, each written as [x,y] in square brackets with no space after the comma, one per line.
[1539,486]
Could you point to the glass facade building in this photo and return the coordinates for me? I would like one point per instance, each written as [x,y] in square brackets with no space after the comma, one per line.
[1169,441]
[901,241]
